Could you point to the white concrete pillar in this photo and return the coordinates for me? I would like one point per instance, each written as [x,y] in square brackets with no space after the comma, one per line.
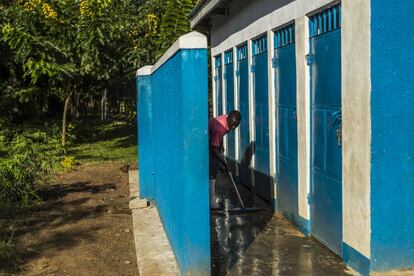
[272,114]
[303,115]
[356,124]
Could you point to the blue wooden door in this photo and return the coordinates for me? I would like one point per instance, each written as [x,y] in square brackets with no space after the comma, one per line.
[229,82]
[261,112]
[218,82]
[245,151]
[325,62]
[287,138]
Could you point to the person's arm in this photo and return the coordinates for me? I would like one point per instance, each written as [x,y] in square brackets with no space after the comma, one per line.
[220,157]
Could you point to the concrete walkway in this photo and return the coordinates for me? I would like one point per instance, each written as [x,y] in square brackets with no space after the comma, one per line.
[263,244]
[154,253]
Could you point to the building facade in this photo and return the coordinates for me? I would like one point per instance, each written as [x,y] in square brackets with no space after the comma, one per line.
[325,89]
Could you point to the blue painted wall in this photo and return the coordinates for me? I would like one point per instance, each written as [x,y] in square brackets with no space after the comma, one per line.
[392,144]
[145,123]
[180,156]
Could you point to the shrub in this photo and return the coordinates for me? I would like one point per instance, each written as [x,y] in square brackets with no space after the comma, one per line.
[27,158]
[20,171]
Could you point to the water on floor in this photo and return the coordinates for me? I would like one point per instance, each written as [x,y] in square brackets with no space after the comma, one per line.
[261,243]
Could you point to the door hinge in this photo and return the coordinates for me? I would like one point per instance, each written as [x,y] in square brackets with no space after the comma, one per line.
[310,199]
[308,59]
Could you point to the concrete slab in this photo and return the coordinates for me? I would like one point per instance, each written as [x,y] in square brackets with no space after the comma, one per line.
[138,203]
[154,253]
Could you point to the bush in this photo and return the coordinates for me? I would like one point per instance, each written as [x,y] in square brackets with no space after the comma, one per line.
[28,157]
[20,172]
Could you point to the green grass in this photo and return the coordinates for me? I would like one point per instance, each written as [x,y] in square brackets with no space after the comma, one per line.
[99,141]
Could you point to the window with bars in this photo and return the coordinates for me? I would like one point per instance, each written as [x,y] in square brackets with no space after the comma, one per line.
[217,61]
[284,36]
[260,45]
[242,52]
[325,21]
[228,57]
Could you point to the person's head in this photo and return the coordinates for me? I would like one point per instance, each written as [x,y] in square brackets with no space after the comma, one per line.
[233,119]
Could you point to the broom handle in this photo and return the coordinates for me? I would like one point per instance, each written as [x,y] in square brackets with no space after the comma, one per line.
[237,190]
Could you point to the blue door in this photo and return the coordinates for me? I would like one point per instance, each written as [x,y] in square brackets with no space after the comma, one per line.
[261,109]
[287,135]
[218,82]
[245,149]
[325,62]
[229,82]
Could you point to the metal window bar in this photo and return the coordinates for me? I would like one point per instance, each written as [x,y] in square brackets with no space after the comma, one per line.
[260,45]
[228,57]
[284,36]
[325,21]
[242,52]
[217,61]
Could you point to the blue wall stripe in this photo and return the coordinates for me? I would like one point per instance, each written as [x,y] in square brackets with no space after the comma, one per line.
[355,259]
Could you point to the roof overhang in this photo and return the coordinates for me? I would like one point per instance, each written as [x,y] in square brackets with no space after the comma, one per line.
[201,15]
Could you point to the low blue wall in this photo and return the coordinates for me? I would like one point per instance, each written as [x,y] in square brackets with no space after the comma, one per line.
[173,154]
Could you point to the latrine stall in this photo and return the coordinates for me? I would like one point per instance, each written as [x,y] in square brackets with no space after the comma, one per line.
[326,96]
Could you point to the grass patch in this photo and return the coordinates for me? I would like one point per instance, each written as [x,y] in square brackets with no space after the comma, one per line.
[99,141]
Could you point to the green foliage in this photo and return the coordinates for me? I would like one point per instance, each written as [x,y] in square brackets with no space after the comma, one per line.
[175,21]
[27,158]
[68,162]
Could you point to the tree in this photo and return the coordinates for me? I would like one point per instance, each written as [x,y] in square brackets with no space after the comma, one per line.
[175,21]
[64,47]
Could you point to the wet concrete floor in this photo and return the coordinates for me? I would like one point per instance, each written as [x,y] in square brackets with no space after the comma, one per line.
[262,243]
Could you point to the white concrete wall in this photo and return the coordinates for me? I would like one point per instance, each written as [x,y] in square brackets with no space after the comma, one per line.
[247,21]
[356,124]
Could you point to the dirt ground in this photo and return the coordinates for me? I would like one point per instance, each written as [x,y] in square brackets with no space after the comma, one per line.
[83,228]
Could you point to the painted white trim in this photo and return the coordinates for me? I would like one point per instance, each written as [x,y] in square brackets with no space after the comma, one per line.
[356,125]
[251,102]
[192,40]
[271,21]
[224,100]
[236,103]
[213,87]
[144,71]
[203,12]
[303,114]
[272,108]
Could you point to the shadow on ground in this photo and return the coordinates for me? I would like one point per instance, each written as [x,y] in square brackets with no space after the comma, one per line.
[80,227]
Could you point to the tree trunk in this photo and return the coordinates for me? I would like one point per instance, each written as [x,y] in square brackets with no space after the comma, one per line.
[64,119]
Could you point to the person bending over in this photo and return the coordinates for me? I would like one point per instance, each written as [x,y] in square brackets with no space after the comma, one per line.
[217,128]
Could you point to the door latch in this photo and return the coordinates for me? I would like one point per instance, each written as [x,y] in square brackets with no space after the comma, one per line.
[338,121]
[339,136]
[308,59]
